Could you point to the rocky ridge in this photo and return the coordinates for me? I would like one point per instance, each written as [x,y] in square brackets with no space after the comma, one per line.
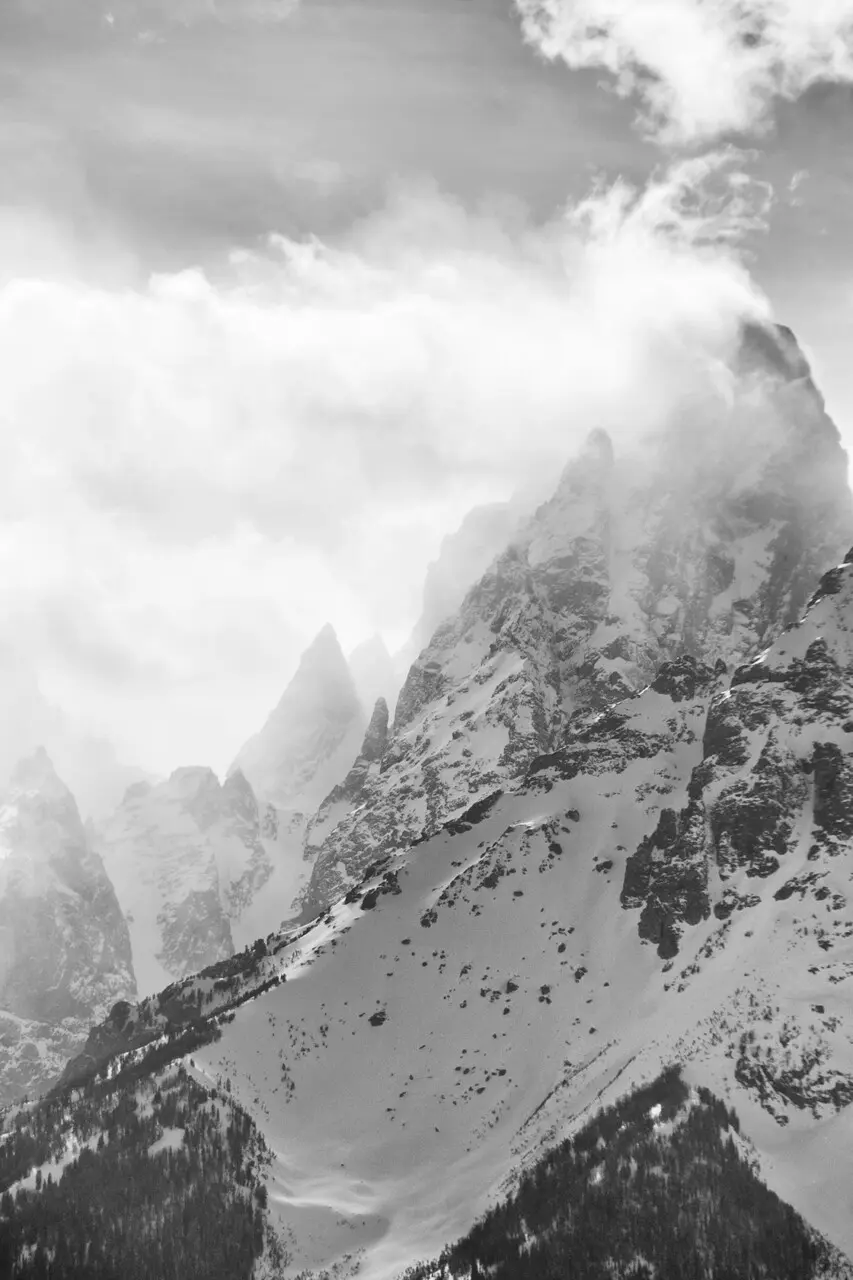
[771,796]
[463,558]
[198,867]
[706,543]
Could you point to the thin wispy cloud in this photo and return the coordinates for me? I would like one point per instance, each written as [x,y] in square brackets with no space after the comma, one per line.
[699,69]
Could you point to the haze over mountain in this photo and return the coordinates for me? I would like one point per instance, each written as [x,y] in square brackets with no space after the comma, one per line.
[398,390]
[95,775]
[607,833]
[482,993]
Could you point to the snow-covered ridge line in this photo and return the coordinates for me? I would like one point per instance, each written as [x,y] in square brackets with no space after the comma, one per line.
[201,1001]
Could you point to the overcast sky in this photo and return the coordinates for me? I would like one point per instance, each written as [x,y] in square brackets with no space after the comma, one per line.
[286,288]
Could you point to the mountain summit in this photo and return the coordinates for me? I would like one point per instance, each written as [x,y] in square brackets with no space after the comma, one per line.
[312,736]
[705,540]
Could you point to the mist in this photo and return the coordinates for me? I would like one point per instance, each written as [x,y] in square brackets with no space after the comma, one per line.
[206,466]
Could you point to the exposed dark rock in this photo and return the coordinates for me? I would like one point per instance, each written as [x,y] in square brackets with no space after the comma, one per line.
[668,877]
[682,678]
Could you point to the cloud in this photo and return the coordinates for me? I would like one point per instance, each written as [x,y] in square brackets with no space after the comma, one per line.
[699,68]
[199,470]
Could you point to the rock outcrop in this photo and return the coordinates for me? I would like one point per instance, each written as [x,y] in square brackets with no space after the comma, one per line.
[772,797]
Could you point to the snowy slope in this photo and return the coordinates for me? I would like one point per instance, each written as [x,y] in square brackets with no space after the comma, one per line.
[707,543]
[482,993]
[64,947]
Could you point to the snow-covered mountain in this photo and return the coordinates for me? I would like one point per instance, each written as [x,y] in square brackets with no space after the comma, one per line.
[670,885]
[608,831]
[64,946]
[199,868]
[707,541]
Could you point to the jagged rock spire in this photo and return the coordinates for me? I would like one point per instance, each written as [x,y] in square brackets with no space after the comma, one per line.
[318,720]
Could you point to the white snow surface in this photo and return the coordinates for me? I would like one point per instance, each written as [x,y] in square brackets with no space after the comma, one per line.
[512,996]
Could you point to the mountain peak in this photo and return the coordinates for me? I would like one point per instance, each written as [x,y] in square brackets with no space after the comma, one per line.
[190,777]
[318,715]
[773,347]
[326,640]
[373,647]
[236,781]
[36,773]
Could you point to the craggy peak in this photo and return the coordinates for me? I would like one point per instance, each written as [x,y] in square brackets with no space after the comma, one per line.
[426,668]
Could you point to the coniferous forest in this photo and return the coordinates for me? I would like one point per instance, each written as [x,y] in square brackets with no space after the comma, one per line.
[166,1180]
[655,1187]
[130,1178]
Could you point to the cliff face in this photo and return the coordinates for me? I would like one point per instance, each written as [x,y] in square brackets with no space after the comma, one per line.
[65,953]
[772,793]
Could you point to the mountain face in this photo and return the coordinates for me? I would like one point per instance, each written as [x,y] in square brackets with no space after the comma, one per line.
[670,885]
[608,832]
[349,793]
[462,560]
[198,868]
[64,946]
[772,791]
[707,542]
[312,736]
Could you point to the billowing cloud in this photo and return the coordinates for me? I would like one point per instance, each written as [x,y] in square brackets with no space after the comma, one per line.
[195,473]
[699,68]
